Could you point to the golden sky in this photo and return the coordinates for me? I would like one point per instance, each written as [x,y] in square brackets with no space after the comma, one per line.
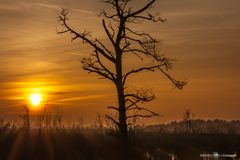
[204,35]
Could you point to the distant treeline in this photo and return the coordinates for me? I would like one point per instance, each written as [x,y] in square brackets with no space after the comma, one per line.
[187,125]
[198,126]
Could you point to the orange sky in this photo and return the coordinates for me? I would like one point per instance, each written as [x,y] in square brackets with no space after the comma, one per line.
[204,35]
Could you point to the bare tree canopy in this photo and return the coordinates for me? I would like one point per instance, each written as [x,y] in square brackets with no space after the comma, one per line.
[118,23]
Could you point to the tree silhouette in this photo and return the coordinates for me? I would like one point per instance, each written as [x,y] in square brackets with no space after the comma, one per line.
[187,119]
[119,23]
[25,117]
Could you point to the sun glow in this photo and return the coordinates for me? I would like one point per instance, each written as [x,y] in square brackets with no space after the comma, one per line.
[35,99]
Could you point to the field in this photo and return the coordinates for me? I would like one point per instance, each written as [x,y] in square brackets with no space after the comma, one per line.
[96,144]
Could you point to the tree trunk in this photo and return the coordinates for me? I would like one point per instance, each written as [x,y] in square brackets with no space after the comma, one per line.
[123,128]
[122,113]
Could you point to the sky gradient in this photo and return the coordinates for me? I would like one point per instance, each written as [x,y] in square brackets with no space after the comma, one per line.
[203,35]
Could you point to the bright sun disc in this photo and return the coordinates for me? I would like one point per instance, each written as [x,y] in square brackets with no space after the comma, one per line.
[35,99]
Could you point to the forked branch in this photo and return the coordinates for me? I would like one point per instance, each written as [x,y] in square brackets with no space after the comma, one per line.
[83,36]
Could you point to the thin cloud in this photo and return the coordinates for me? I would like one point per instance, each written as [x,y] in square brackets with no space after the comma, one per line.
[58,7]
[10,7]
[80,98]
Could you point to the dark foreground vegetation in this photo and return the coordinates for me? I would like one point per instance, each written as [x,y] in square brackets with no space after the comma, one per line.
[75,143]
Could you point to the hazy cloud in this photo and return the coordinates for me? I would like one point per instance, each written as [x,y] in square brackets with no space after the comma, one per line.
[203,34]
[59,7]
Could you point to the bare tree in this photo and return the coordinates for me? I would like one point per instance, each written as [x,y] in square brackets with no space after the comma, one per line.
[99,122]
[40,119]
[57,118]
[81,122]
[25,117]
[118,23]
[187,119]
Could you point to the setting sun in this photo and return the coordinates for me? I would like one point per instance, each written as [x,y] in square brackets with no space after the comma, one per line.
[35,99]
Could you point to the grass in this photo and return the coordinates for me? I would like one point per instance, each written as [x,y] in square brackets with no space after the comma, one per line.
[95,144]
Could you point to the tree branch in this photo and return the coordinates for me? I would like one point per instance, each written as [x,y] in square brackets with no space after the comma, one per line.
[90,65]
[140,115]
[111,107]
[112,119]
[152,68]
[141,10]
[113,76]
[110,36]
[145,109]
[63,18]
